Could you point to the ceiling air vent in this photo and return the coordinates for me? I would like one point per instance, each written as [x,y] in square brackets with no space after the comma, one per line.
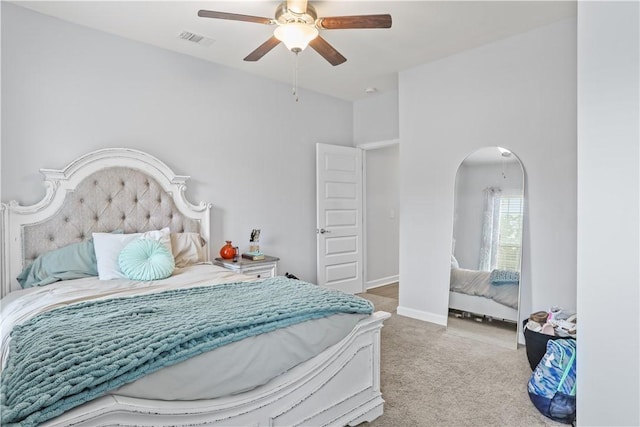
[195,38]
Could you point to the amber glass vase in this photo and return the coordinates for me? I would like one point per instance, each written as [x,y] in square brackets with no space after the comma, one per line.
[228,251]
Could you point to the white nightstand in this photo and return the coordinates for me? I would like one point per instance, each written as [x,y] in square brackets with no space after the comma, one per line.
[261,269]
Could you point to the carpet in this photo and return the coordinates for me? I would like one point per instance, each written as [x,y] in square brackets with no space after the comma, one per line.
[433,378]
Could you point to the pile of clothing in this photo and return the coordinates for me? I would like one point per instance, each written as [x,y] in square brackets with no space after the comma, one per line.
[555,322]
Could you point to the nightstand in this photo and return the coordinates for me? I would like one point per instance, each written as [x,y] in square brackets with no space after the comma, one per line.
[260,269]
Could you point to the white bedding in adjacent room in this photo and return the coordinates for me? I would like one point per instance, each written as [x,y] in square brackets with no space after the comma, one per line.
[478,283]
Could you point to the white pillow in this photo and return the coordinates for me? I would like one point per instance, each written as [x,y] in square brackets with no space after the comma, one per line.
[163,236]
[188,248]
[454,262]
[108,247]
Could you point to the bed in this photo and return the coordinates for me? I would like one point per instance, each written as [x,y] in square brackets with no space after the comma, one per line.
[334,380]
[472,291]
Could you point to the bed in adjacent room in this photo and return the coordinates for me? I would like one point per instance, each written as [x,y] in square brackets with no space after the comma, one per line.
[113,314]
[494,294]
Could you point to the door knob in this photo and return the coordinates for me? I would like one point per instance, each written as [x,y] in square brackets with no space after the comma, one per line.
[323,231]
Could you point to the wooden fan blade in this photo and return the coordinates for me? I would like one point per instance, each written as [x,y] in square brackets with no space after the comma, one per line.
[359,21]
[263,49]
[234,17]
[327,51]
[297,6]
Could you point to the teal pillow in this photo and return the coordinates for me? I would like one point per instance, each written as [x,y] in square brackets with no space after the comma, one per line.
[504,277]
[73,261]
[146,259]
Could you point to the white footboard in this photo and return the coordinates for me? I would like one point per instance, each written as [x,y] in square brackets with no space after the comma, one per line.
[340,386]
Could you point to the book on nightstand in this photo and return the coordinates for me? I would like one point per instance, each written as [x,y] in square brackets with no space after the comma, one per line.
[253,256]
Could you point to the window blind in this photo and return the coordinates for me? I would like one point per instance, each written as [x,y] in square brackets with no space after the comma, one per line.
[510,233]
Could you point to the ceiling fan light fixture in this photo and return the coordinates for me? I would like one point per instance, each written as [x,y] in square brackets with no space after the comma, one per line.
[295,35]
[504,152]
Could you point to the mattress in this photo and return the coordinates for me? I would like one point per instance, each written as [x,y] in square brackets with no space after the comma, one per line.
[231,369]
[478,283]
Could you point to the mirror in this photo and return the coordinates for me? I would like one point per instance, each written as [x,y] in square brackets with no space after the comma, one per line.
[487,246]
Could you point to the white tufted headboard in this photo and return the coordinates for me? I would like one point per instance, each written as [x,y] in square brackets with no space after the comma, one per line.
[105,190]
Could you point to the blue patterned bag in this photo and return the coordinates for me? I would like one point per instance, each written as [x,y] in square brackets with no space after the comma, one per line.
[552,387]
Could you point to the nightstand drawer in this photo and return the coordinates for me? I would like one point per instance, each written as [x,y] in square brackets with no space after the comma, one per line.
[260,273]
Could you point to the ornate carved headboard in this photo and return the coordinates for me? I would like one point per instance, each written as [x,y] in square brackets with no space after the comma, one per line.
[105,190]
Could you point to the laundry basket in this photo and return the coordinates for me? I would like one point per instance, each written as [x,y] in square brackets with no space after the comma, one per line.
[536,344]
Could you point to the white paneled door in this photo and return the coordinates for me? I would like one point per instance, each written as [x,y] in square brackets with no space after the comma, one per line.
[339,217]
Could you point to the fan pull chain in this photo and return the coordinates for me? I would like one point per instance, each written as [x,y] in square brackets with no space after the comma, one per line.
[295,77]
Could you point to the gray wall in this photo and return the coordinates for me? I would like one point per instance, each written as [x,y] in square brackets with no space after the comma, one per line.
[608,213]
[1,235]
[382,220]
[68,90]
[376,118]
[518,93]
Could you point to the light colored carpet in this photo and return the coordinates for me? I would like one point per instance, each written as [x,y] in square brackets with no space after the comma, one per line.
[497,333]
[433,378]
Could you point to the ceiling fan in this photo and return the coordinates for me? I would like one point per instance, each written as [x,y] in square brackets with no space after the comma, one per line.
[298,25]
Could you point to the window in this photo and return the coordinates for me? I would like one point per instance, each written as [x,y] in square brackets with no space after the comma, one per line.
[509,243]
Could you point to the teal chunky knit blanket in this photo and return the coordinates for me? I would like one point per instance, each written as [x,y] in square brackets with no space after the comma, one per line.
[68,356]
[504,277]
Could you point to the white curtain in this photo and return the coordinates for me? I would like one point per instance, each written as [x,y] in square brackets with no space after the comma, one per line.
[490,230]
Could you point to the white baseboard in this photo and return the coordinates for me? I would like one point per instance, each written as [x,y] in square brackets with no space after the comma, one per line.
[423,315]
[382,282]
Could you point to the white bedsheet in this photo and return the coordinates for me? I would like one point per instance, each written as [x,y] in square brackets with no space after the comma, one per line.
[230,369]
[242,365]
[478,283]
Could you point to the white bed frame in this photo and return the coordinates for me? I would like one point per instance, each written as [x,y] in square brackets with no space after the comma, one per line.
[481,305]
[340,386]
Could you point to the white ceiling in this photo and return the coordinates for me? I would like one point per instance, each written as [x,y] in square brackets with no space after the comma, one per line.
[422,31]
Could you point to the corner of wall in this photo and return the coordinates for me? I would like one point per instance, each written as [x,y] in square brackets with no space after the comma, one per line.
[422,315]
